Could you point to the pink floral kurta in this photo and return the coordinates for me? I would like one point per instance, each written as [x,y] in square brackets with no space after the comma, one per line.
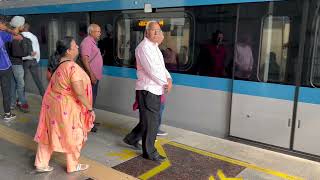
[64,122]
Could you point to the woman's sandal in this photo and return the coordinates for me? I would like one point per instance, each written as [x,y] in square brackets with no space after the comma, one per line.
[81,167]
[44,169]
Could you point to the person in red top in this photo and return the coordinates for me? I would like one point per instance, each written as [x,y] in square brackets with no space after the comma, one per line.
[217,54]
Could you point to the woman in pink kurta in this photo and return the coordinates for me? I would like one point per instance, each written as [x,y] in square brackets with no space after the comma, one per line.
[66,113]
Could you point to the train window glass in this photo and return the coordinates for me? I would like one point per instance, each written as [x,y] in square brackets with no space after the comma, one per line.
[273,48]
[53,35]
[268,42]
[215,34]
[51,27]
[175,46]
[106,43]
[315,64]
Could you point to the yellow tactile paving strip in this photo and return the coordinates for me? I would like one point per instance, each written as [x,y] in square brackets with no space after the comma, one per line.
[96,171]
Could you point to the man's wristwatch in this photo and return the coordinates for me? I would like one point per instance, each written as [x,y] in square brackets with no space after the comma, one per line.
[90,110]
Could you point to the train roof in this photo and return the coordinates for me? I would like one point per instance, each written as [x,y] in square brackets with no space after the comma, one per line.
[16,7]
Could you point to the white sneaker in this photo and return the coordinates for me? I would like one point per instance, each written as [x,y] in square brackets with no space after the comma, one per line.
[161,133]
[9,116]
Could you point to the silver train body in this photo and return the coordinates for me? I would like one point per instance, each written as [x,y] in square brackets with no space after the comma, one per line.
[278,104]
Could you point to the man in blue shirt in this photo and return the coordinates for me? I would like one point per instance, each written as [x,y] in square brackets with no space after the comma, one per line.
[5,68]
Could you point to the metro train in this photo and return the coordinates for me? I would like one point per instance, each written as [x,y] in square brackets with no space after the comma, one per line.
[246,69]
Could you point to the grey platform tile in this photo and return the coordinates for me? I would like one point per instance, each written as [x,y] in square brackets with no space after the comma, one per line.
[249,174]
[16,163]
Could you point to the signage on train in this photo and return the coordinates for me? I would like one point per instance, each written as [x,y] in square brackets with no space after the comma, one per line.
[143,23]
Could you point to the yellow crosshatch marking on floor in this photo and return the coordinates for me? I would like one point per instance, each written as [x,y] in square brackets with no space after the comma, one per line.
[163,166]
[166,164]
[124,154]
[237,162]
[223,177]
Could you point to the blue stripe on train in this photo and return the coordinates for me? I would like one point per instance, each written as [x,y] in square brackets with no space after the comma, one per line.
[276,91]
[309,95]
[113,5]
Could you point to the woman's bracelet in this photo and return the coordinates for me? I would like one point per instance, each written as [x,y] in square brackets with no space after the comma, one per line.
[90,110]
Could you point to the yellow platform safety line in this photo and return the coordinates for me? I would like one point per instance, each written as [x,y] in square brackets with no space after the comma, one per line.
[221,175]
[96,171]
[23,119]
[237,162]
[124,154]
[163,166]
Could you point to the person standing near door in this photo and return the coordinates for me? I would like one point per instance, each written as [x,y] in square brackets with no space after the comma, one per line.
[92,59]
[31,62]
[153,81]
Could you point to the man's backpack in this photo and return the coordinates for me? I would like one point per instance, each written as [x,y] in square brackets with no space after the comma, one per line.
[21,48]
[26,45]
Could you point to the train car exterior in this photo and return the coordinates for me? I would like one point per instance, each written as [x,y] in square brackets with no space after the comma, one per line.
[246,69]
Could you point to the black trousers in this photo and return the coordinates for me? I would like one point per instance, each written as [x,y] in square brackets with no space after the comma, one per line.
[94,92]
[147,128]
[5,81]
[33,67]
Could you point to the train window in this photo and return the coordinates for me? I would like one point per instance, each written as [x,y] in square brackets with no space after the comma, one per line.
[268,34]
[53,35]
[315,64]
[273,48]
[216,28]
[51,27]
[175,46]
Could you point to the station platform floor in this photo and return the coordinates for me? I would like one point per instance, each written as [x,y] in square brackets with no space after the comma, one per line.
[190,155]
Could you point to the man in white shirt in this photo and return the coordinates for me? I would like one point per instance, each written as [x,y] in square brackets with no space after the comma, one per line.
[153,81]
[31,62]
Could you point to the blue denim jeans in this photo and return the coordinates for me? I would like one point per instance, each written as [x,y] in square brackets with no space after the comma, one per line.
[161,112]
[17,85]
[33,67]
[5,81]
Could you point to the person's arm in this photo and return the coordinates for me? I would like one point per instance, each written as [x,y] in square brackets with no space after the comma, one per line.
[8,34]
[251,60]
[168,87]
[36,49]
[85,58]
[49,74]
[85,61]
[78,88]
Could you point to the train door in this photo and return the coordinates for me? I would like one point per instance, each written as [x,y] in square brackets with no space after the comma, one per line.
[307,127]
[264,81]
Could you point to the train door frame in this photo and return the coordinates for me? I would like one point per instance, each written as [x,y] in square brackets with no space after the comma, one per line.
[292,120]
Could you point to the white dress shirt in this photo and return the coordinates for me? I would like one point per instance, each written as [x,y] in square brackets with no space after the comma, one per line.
[243,60]
[151,71]
[35,46]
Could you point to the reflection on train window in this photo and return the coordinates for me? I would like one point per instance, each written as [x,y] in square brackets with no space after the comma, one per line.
[50,28]
[274,49]
[175,46]
[315,66]
[53,35]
